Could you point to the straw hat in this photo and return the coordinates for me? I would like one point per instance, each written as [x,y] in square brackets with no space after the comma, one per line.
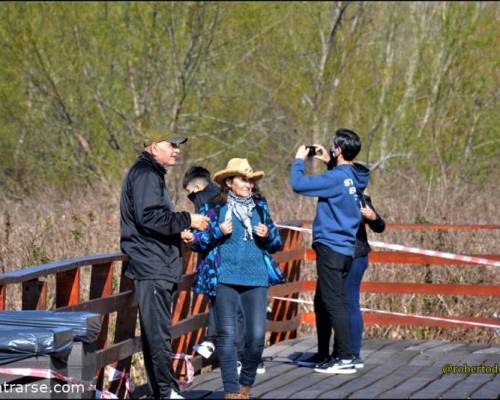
[237,166]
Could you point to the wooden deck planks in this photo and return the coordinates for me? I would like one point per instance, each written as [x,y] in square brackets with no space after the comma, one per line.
[467,387]
[308,379]
[278,359]
[329,383]
[393,379]
[393,369]
[368,384]
[446,382]
[414,383]
[490,390]
[279,381]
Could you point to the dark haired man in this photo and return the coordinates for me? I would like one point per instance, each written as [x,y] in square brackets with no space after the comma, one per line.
[334,235]
[201,190]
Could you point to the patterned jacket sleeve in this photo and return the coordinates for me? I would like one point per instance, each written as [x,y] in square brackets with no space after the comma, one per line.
[273,242]
[206,240]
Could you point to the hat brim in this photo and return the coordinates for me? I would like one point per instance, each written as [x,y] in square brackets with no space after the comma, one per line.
[220,176]
[177,140]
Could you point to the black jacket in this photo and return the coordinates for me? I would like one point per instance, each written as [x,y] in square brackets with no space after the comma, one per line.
[362,248]
[149,226]
[207,195]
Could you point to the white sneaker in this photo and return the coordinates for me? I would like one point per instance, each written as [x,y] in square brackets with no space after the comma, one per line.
[239,366]
[205,349]
[175,395]
[261,369]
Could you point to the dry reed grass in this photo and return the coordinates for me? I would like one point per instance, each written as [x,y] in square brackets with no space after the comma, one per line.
[51,226]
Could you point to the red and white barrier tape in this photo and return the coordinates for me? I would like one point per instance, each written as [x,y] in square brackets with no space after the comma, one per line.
[415,250]
[441,254]
[450,320]
[50,374]
[184,384]
[294,228]
[113,374]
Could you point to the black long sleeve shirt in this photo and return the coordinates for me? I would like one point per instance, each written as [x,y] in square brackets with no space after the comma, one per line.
[362,248]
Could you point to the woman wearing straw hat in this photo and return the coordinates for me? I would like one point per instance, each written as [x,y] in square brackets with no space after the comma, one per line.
[238,270]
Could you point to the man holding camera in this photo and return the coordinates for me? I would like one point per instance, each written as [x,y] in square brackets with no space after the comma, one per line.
[334,235]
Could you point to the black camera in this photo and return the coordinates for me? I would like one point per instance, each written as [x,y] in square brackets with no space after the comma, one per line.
[313,150]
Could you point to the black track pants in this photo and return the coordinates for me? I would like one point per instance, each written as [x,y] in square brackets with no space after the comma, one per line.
[330,302]
[155,313]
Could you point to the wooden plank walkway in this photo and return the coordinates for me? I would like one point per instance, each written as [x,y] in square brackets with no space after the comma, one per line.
[393,369]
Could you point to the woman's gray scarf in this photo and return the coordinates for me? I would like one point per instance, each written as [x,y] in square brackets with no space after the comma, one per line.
[242,208]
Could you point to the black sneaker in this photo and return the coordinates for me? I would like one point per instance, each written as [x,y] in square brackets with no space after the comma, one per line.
[358,363]
[336,366]
[313,361]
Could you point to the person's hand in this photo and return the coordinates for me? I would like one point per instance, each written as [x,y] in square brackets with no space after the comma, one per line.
[199,222]
[226,227]
[261,230]
[187,236]
[368,213]
[322,154]
[302,152]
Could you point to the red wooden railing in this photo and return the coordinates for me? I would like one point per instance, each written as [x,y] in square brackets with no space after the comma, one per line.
[400,257]
[118,341]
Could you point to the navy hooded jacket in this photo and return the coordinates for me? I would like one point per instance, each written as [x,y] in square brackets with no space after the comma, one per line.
[338,211]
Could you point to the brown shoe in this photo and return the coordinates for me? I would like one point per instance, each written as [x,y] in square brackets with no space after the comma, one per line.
[231,395]
[244,392]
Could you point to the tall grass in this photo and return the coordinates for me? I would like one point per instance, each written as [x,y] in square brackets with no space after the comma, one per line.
[51,226]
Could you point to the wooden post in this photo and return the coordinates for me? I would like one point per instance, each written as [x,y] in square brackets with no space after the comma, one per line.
[3,291]
[35,294]
[68,288]
[182,308]
[101,285]
[125,329]
[284,310]
[292,309]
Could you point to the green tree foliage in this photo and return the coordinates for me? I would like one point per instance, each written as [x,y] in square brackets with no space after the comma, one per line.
[79,82]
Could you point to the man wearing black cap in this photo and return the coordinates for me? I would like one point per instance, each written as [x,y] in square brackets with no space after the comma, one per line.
[150,235]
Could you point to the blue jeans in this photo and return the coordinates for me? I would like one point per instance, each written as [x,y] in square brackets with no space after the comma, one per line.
[211,335]
[253,301]
[351,286]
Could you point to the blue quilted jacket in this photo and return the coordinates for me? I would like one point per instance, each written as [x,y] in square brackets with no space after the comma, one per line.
[208,243]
